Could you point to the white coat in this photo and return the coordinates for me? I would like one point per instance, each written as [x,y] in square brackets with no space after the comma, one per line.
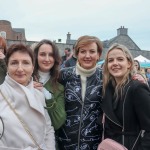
[29,104]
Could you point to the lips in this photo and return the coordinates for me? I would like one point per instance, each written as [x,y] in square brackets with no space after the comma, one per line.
[87,61]
[19,75]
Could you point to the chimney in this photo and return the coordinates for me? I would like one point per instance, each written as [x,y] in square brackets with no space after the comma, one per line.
[68,38]
[122,31]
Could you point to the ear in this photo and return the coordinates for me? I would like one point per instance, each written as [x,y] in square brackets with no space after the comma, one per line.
[98,56]
[129,65]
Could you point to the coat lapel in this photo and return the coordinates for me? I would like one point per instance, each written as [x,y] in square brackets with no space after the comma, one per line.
[107,105]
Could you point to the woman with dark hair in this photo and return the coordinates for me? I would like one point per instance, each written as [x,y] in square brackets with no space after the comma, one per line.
[3,68]
[26,124]
[46,73]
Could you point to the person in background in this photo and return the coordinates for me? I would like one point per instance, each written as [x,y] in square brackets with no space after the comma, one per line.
[83,86]
[3,68]
[26,124]
[67,55]
[46,72]
[147,70]
[126,102]
[71,61]
[138,70]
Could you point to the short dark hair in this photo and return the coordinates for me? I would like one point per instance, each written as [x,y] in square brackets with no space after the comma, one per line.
[67,48]
[19,48]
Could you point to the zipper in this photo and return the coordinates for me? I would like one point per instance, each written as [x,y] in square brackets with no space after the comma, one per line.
[113,121]
[80,126]
[82,103]
[123,114]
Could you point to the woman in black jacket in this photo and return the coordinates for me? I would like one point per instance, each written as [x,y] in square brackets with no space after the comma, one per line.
[126,102]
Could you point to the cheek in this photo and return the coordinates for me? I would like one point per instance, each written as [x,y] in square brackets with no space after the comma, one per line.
[10,70]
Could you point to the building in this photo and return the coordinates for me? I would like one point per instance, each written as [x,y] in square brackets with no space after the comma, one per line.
[122,37]
[10,33]
[17,35]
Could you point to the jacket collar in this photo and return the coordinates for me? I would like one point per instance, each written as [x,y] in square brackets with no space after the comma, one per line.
[107,105]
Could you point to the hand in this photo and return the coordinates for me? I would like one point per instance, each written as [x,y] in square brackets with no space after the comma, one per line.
[2,56]
[139,77]
[38,85]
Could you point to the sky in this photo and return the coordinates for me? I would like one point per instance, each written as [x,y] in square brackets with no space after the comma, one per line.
[53,19]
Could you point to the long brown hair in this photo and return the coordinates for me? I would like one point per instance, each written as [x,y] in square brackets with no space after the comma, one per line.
[54,71]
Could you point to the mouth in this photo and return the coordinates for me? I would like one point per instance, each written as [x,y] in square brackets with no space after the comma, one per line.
[20,75]
[87,61]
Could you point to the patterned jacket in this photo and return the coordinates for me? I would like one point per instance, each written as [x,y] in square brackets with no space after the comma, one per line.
[81,130]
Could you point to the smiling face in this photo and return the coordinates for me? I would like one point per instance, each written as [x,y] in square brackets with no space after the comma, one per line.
[45,58]
[20,67]
[88,56]
[118,64]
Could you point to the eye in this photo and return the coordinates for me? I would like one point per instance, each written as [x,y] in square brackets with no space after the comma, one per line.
[42,54]
[92,51]
[120,59]
[110,60]
[82,51]
[26,62]
[13,63]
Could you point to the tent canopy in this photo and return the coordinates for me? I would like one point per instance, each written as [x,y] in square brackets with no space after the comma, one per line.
[142,59]
[144,62]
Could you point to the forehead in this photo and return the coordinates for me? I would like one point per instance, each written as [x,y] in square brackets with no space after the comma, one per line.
[20,55]
[89,46]
[45,47]
[116,53]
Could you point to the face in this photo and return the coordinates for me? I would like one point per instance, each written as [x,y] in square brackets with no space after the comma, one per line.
[88,56]
[118,64]
[20,67]
[45,58]
[136,65]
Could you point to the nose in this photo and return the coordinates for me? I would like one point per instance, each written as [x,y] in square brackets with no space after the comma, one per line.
[87,54]
[20,67]
[115,62]
[47,58]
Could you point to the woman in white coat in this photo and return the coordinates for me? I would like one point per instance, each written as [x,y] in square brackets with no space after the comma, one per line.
[24,123]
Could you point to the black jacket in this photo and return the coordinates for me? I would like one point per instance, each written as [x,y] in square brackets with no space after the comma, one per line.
[81,130]
[71,62]
[132,112]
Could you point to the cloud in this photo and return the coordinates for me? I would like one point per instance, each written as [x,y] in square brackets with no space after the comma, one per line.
[53,19]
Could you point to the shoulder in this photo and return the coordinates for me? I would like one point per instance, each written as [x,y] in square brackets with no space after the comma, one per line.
[39,95]
[67,71]
[138,87]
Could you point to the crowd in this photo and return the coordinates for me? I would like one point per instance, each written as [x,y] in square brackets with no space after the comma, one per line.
[50,102]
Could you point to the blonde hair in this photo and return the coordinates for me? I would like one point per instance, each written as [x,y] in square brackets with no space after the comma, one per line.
[108,77]
[85,40]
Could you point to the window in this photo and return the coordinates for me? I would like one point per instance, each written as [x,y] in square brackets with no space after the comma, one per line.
[3,34]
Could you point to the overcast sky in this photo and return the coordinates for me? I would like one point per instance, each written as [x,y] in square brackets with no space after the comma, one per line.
[53,19]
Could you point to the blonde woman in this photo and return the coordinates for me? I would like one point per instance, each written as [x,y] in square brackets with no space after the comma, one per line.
[126,102]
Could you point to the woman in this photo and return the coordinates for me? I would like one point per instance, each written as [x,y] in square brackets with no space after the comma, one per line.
[126,102]
[83,87]
[139,71]
[27,125]
[3,68]
[46,72]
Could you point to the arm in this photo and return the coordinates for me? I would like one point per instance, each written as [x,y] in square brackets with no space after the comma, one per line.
[56,107]
[142,109]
